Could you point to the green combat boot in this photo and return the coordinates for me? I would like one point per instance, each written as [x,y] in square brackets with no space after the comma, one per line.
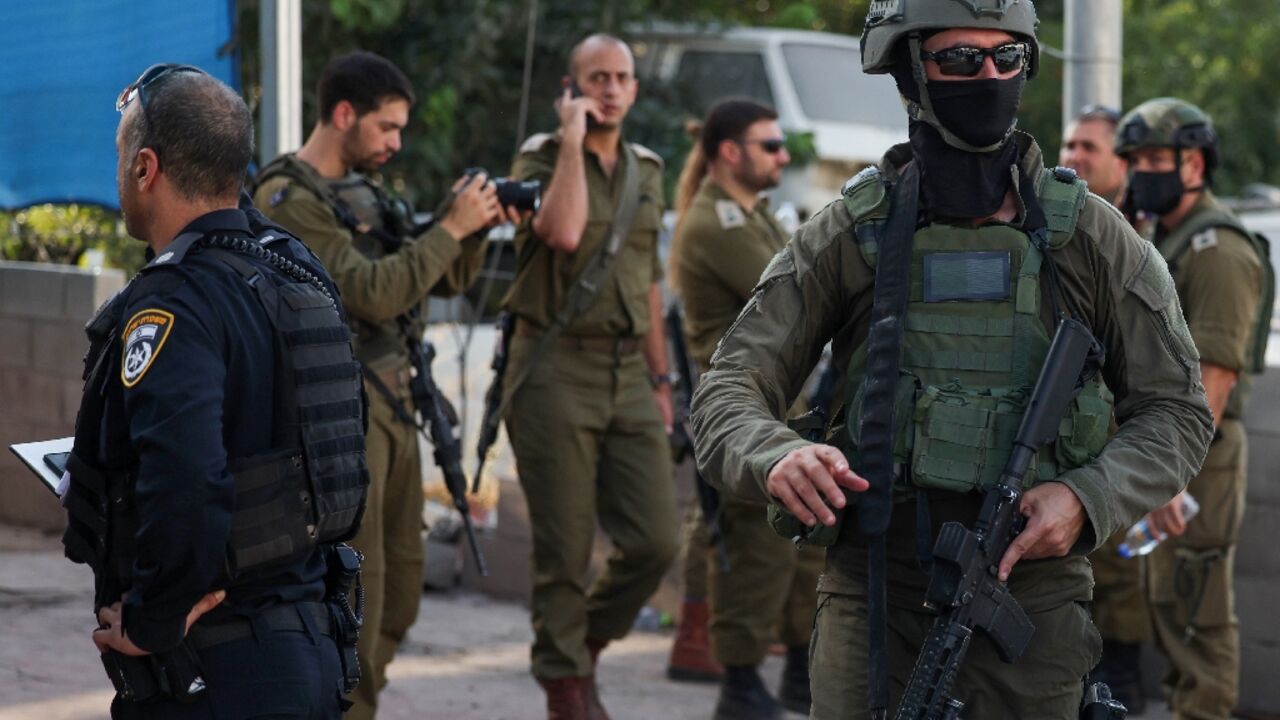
[794,691]
[743,696]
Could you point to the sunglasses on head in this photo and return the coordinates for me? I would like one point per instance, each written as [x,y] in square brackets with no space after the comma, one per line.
[769,145]
[134,89]
[967,61]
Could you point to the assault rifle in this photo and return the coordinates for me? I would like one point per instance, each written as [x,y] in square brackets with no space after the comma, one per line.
[682,438]
[491,419]
[438,421]
[964,587]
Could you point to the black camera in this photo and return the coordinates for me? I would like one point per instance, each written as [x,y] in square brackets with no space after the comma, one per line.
[525,196]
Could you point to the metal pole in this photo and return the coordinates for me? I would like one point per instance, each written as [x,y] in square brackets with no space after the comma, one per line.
[280,23]
[526,83]
[1094,51]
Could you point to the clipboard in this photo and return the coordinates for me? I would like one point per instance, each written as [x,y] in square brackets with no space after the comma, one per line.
[48,460]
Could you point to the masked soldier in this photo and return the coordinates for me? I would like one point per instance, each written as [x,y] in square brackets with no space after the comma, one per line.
[1224,281]
[219,452]
[386,267]
[998,251]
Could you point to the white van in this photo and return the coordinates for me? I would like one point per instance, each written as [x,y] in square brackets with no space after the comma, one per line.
[813,79]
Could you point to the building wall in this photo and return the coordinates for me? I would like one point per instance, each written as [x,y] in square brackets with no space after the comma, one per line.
[43,310]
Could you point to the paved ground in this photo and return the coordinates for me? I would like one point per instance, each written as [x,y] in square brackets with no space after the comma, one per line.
[466,659]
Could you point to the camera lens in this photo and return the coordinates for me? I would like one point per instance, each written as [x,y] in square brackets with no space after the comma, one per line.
[524,196]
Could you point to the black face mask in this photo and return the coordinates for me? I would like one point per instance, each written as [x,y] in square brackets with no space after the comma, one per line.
[960,184]
[1156,193]
[980,112]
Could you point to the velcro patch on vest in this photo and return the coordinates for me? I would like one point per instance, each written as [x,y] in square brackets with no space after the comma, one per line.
[966,276]
[144,337]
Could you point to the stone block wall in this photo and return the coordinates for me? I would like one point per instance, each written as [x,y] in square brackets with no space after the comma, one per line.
[43,310]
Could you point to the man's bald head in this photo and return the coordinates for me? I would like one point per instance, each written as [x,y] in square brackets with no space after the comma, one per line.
[590,44]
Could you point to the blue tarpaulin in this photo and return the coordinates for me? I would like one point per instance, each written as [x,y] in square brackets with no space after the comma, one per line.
[62,64]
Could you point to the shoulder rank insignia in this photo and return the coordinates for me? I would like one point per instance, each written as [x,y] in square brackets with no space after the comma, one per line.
[730,214]
[279,195]
[144,337]
[1204,240]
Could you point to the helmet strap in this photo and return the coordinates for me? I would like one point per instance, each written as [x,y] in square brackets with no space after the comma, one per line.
[923,110]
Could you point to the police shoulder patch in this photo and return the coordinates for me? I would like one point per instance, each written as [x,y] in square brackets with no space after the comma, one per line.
[144,337]
[730,214]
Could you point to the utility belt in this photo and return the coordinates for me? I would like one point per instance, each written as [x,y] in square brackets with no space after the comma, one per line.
[178,675]
[607,344]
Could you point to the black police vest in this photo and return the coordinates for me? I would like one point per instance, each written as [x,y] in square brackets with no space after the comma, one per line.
[309,490]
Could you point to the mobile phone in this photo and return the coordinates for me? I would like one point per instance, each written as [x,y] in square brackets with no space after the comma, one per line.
[575,91]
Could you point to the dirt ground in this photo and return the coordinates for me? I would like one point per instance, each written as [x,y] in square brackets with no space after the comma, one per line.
[466,658]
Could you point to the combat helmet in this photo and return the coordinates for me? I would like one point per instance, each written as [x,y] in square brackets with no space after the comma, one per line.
[891,21]
[1168,123]
[888,21]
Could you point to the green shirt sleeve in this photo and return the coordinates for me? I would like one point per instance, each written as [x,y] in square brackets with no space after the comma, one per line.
[374,290]
[1220,286]
[1151,366]
[762,362]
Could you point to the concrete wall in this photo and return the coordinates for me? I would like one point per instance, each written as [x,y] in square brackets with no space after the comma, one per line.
[43,310]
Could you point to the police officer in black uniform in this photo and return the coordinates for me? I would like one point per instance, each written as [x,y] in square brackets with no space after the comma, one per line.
[219,454]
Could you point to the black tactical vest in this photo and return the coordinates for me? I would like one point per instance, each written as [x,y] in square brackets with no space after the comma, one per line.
[309,490]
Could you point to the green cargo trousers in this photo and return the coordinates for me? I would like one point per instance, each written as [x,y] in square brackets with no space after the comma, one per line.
[1046,683]
[390,537]
[697,552]
[590,445]
[1191,582]
[769,592]
[1119,597]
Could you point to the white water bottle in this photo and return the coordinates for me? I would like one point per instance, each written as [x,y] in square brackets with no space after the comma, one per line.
[1141,539]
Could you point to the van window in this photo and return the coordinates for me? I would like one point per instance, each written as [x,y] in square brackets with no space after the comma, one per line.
[832,87]
[707,76]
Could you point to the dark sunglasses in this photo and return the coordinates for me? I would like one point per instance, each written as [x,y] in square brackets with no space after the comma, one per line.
[769,145]
[967,61]
[134,90]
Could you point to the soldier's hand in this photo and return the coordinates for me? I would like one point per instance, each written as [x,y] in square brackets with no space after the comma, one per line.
[475,206]
[1168,519]
[110,634]
[807,475]
[1055,518]
[573,113]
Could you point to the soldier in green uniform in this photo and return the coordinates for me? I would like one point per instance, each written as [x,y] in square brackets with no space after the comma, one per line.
[1001,249]
[724,238]
[588,393]
[1223,277]
[385,269]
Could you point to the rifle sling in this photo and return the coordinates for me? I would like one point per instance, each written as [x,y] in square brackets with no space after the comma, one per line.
[876,420]
[591,281]
[397,408]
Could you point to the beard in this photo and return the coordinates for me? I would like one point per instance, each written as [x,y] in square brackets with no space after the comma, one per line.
[359,158]
[757,179]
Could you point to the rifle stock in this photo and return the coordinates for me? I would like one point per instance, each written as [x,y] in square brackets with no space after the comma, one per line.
[964,587]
